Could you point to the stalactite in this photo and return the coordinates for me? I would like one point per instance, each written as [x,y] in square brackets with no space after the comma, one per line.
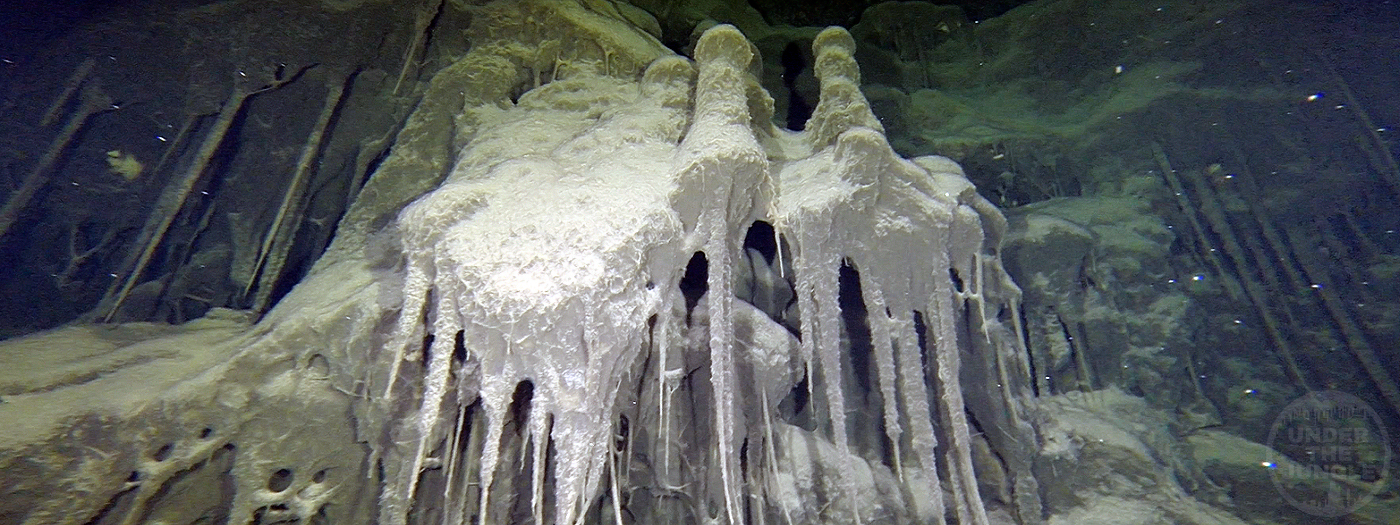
[574,327]
[539,442]
[944,342]
[729,171]
[491,452]
[579,311]
[451,460]
[885,371]
[823,273]
[923,437]
[435,392]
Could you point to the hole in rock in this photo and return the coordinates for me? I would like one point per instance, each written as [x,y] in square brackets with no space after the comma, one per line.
[854,317]
[860,382]
[696,280]
[520,404]
[459,347]
[163,453]
[921,332]
[319,476]
[426,350]
[206,433]
[764,278]
[760,237]
[794,62]
[133,477]
[794,409]
[957,279]
[624,427]
[744,459]
[280,480]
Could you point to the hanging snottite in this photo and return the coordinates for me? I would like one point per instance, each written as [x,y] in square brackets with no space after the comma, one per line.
[575,291]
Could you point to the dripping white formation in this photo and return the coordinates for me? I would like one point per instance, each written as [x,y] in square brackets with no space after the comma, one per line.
[619,296]
[642,301]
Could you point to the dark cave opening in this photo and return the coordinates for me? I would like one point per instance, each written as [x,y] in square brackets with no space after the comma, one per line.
[695,282]
[761,236]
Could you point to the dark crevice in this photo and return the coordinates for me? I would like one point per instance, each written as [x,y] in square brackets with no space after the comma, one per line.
[794,409]
[172,488]
[624,429]
[426,351]
[459,347]
[1075,354]
[1030,359]
[921,330]
[862,382]
[520,405]
[114,509]
[695,282]
[794,64]
[761,237]
[744,475]
[279,480]
[856,321]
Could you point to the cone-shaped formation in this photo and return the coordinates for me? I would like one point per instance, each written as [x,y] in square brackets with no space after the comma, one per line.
[605,338]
